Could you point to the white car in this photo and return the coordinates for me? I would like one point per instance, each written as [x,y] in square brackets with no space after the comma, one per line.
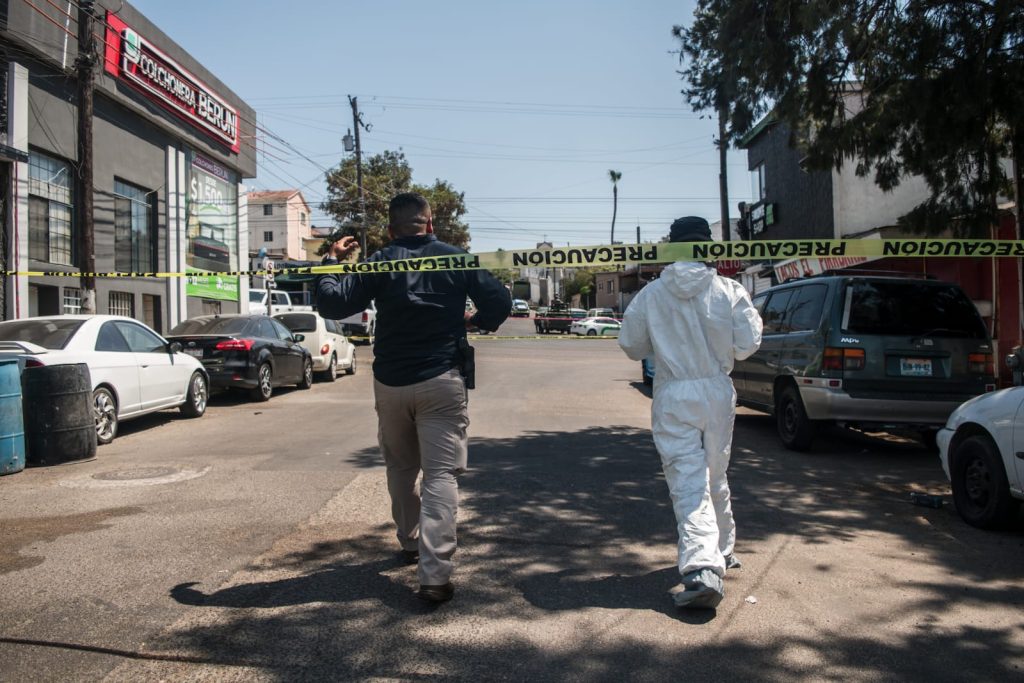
[330,349]
[134,370]
[982,450]
[596,327]
[362,325]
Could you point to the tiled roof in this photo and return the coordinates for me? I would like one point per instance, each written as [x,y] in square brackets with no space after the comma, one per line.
[274,196]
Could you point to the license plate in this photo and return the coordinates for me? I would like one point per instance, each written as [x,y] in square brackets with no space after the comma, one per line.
[195,353]
[916,367]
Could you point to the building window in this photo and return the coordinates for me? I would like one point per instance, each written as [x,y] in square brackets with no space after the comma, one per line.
[611,286]
[134,241]
[122,303]
[49,209]
[268,209]
[757,182]
[302,218]
[268,235]
[72,301]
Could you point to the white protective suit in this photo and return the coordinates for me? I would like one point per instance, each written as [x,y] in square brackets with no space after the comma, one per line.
[696,324]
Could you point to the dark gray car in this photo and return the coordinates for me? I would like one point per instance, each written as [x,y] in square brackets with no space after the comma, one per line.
[867,352]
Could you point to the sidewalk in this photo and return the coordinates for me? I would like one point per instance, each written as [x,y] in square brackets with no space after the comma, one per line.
[564,564]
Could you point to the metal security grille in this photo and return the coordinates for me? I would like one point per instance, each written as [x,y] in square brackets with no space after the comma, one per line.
[49,209]
[72,301]
[122,303]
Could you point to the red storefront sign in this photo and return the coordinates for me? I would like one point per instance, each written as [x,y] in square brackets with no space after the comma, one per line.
[134,60]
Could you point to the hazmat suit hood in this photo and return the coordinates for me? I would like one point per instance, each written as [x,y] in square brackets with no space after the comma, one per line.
[686,280]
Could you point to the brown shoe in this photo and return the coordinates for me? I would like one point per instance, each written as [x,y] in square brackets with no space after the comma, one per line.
[442,593]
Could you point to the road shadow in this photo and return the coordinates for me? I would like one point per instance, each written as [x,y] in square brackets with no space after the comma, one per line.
[555,525]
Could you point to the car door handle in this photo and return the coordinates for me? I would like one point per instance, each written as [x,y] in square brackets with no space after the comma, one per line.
[144,366]
[1020,455]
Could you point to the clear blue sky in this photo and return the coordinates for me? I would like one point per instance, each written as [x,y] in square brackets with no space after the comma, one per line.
[524,106]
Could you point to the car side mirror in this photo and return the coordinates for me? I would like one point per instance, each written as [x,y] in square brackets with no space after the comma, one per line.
[299,338]
[174,347]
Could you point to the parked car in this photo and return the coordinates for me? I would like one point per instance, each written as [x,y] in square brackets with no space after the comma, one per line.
[252,352]
[134,370]
[330,350]
[520,309]
[869,352]
[281,302]
[600,313]
[596,327]
[362,325]
[981,449]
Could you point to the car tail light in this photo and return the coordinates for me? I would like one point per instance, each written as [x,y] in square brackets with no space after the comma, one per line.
[366,317]
[33,363]
[235,345]
[324,349]
[843,359]
[980,363]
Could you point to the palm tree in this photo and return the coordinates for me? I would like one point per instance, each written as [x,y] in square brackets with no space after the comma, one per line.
[615,176]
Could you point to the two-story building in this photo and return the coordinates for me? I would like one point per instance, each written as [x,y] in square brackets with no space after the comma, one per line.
[279,223]
[171,146]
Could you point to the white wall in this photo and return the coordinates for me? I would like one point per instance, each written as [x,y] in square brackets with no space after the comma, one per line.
[858,204]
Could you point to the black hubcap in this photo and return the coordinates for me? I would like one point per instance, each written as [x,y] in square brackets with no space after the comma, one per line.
[978,482]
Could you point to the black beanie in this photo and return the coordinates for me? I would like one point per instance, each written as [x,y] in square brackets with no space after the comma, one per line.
[690,229]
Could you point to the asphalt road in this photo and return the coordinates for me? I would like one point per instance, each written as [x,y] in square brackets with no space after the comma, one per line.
[255,544]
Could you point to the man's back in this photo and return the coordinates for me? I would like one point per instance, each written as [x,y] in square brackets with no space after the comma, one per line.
[420,315]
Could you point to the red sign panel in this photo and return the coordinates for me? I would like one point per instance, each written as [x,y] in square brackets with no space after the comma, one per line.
[133,59]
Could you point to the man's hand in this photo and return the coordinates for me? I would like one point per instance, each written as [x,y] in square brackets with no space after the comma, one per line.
[343,248]
[469,325]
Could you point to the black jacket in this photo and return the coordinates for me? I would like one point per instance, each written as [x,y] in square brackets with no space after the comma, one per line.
[421,315]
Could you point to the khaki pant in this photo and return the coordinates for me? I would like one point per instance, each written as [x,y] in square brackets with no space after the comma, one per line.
[422,426]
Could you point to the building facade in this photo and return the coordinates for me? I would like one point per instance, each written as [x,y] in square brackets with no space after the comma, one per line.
[171,146]
[279,224]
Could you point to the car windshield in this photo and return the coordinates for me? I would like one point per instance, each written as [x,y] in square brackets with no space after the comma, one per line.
[910,308]
[233,325]
[298,322]
[255,296]
[46,332]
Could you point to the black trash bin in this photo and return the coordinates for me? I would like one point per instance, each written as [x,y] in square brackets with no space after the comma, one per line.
[59,422]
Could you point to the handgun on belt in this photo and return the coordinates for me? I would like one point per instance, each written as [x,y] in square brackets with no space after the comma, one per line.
[467,363]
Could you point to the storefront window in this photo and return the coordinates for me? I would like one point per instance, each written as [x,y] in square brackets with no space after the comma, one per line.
[134,243]
[49,209]
[212,233]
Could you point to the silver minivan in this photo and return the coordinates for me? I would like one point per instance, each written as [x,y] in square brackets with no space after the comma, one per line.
[869,352]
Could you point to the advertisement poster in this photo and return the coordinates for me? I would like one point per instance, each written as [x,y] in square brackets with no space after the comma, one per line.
[211,229]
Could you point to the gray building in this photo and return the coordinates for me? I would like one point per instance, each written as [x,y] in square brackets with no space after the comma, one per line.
[172,145]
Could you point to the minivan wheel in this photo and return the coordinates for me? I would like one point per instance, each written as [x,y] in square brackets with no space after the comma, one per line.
[981,492]
[796,430]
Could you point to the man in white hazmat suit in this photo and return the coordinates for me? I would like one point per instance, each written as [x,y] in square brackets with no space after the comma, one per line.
[695,324]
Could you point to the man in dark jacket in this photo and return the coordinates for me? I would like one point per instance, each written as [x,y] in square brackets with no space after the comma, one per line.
[420,393]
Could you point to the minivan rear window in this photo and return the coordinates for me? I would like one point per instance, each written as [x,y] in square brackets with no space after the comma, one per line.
[910,308]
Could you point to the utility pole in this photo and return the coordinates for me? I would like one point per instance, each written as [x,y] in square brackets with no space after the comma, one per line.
[357,121]
[87,239]
[723,180]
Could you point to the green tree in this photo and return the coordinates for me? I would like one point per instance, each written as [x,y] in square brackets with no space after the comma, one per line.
[614,176]
[927,87]
[580,282]
[385,175]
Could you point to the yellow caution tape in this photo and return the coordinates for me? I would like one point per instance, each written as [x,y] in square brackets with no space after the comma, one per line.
[620,254]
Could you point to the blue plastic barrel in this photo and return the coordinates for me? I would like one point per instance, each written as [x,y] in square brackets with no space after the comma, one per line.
[12,423]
